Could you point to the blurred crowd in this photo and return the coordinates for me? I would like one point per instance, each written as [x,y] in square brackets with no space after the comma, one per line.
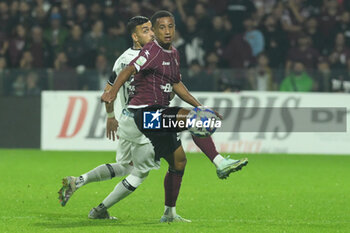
[225,45]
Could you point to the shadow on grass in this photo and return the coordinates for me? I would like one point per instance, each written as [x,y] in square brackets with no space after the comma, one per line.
[59,220]
[66,224]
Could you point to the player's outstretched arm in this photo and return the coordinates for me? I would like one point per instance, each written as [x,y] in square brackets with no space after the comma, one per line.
[124,75]
[181,90]
[112,123]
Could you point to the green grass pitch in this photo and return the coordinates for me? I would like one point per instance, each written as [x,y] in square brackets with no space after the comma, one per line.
[274,193]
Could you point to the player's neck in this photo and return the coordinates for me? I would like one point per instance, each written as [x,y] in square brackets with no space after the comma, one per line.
[164,46]
[136,46]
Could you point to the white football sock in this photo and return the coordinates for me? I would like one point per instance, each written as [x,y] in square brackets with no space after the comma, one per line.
[104,172]
[169,211]
[122,190]
[80,181]
[218,159]
[119,193]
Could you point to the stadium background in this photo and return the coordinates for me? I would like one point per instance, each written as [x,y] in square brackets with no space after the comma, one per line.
[225,45]
[270,48]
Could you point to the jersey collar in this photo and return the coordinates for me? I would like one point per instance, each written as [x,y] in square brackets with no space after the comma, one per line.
[165,50]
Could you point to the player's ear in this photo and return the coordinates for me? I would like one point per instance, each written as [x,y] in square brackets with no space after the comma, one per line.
[134,37]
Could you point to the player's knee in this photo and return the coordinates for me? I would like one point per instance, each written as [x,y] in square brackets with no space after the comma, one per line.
[182,114]
[180,165]
[121,169]
[140,174]
[184,111]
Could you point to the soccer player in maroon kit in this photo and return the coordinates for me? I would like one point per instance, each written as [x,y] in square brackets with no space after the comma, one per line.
[157,75]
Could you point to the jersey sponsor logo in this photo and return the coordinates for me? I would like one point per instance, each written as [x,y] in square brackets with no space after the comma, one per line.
[130,88]
[167,87]
[166,63]
[151,120]
[141,61]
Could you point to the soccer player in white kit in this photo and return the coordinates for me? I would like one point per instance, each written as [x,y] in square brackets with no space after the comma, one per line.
[132,144]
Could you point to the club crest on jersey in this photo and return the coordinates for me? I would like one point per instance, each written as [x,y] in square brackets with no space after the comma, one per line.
[141,61]
[167,87]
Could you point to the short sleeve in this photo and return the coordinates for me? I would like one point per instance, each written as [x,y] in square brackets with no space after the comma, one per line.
[118,65]
[147,58]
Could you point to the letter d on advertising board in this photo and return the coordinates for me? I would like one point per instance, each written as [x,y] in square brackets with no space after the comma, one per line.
[68,118]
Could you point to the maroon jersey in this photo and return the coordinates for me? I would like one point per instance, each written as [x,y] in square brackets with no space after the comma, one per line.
[157,71]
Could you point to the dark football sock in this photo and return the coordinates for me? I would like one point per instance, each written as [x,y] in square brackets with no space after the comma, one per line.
[207,146]
[172,184]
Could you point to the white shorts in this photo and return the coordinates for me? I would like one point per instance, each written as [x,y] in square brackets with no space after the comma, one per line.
[133,146]
[128,130]
[142,155]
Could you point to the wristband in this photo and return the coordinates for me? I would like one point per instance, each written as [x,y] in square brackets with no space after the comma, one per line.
[110,114]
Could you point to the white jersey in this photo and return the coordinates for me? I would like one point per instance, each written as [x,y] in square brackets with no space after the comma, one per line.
[127,128]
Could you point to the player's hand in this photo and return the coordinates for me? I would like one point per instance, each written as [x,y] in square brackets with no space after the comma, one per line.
[111,128]
[108,97]
[218,115]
